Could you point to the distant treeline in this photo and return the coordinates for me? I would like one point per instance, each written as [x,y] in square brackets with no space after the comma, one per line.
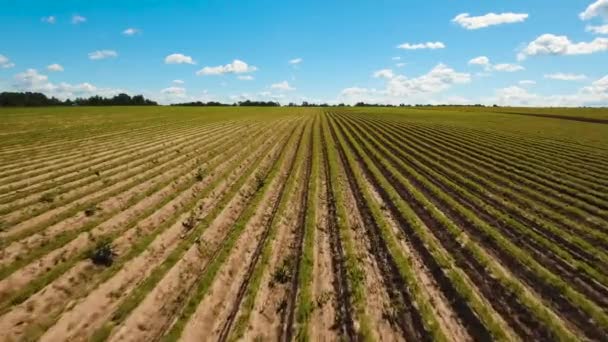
[219,104]
[29,99]
[8,99]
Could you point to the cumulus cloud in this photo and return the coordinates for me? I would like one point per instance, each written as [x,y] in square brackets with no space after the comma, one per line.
[32,80]
[102,54]
[180,91]
[427,45]
[78,19]
[490,19]
[550,44]
[284,86]
[178,82]
[54,67]
[488,66]
[49,20]
[178,58]
[566,77]
[526,82]
[131,31]
[440,78]
[507,67]
[481,60]
[401,89]
[236,67]
[602,29]
[245,78]
[399,65]
[593,94]
[296,61]
[384,73]
[5,62]
[598,8]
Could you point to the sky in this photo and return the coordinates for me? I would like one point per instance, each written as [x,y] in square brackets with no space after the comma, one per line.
[515,52]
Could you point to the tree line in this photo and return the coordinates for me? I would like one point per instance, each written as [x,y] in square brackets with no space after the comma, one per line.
[29,99]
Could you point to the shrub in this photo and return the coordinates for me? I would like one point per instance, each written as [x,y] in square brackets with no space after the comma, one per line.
[47,198]
[90,211]
[103,254]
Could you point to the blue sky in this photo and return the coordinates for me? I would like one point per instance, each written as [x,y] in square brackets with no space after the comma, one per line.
[533,52]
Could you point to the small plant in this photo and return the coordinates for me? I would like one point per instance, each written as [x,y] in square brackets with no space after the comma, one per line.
[103,254]
[47,198]
[200,175]
[259,181]
[283,273]
[90,211]
[190,222]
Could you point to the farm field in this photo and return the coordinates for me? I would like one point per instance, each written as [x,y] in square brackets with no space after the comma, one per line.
[321,224]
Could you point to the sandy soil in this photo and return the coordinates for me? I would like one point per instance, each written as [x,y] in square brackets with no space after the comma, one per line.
[155,313]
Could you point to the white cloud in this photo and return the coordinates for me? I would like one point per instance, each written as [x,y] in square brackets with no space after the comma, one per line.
[49,20]
[178,58]
[427,45]
[102,54]
[399,65]
[566,77]
[236,67]
[31,80]
[401,89]
[488,66]
[178,82]
[440,78]
[506,67]
[397,58]
[179,91]
[77,19]
[245,78]
[481,60]
[602,29]
[384,73]
[526,82]
[54,67]
[490,19]
[282,86]
[355,91]
[131,31]
[296,61]
[550,44]
[598,8]
[5,62]
[592,95]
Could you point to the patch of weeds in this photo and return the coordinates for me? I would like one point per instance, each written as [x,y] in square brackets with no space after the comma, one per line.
[283,273]
[259,181]
[103,254]
[190,222]
[323,299]
[47,198]
[90,211]
[200,175]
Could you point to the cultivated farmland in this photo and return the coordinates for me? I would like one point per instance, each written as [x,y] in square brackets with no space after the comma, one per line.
[435,223]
